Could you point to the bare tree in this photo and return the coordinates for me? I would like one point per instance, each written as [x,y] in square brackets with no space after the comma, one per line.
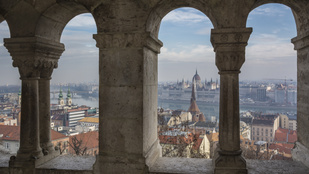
[77,146]
[62,146]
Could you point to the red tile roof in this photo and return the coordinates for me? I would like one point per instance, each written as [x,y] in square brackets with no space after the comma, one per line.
[56,135]
[282,147]
[10,132]
[197,143]
[89,139]
[167,139]
[285,135]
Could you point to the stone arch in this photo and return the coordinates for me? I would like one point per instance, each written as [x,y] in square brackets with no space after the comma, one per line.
[1,18]
[54,19]
[163,8]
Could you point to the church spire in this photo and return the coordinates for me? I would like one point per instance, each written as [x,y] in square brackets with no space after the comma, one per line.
[60,93]
[69,93]
[193,93]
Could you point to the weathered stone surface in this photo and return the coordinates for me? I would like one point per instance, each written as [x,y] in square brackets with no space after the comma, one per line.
[275,166]
[182,165]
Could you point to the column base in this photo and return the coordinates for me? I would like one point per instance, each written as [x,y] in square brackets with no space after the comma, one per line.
[154,153]
[112,164]
[229,163]
[48,149]
[301,153]
[21,160]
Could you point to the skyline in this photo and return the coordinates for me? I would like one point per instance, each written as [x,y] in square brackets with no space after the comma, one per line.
[185,33]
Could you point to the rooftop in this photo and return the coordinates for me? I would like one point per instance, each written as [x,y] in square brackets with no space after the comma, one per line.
[90,120]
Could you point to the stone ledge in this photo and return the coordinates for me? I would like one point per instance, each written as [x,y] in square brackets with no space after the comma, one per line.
[69,162]
[276,166]
[182,165]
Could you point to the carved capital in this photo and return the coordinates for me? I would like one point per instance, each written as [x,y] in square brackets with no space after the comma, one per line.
[230,61]
[230,38]
[229,45]
[301,42]
[35,57]
[127,40]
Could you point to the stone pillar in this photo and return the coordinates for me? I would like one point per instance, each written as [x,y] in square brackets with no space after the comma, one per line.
[128,140]
[301,150]
[229,45]
[28,56]
[50,57]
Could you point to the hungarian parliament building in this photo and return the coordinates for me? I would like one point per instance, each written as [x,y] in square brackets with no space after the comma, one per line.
[207,91]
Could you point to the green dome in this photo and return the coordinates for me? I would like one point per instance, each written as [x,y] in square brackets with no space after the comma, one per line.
[60,93]
[69,93]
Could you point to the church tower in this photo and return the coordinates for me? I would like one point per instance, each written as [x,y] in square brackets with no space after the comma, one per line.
[69,98]
[197,115]
[60,98]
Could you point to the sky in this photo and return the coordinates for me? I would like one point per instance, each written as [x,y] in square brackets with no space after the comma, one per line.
[185,33]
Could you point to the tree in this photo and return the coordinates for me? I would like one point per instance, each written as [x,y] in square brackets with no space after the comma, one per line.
[62,146]
[77,146]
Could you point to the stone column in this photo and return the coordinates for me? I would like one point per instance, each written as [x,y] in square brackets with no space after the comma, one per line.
[229,45]
[27,56]
[50,57]
[128,140]
[301,150]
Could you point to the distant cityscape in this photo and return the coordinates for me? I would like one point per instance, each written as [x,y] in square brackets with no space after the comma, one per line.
[188,117]
[263,135]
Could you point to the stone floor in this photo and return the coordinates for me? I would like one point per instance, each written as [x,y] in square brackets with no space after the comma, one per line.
[83,165]
[199,166]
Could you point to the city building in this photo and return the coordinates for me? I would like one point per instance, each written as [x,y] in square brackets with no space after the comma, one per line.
[10,137]
[292,122]
[264,127]
[284,121]
[87,124]
[72,116]
[207,91]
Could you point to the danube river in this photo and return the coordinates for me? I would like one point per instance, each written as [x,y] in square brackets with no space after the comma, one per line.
[209,109]
[212,109]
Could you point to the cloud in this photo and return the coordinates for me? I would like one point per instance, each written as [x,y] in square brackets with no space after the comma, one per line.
[268,39]
[193,53]
[204,31]
[271,53]
[270,10]
[185,15]
[83,20]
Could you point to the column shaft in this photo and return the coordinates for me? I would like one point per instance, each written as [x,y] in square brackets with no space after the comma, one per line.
[45,136]
[229,136]
[29,129]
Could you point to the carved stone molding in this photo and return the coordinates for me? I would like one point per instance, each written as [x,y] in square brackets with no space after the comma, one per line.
[301,42]
[229,45]
[230,61]
[127,40]
[230,37]
[34,55]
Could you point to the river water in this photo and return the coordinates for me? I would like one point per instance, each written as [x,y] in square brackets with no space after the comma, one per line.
[209,109]
[212,109]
